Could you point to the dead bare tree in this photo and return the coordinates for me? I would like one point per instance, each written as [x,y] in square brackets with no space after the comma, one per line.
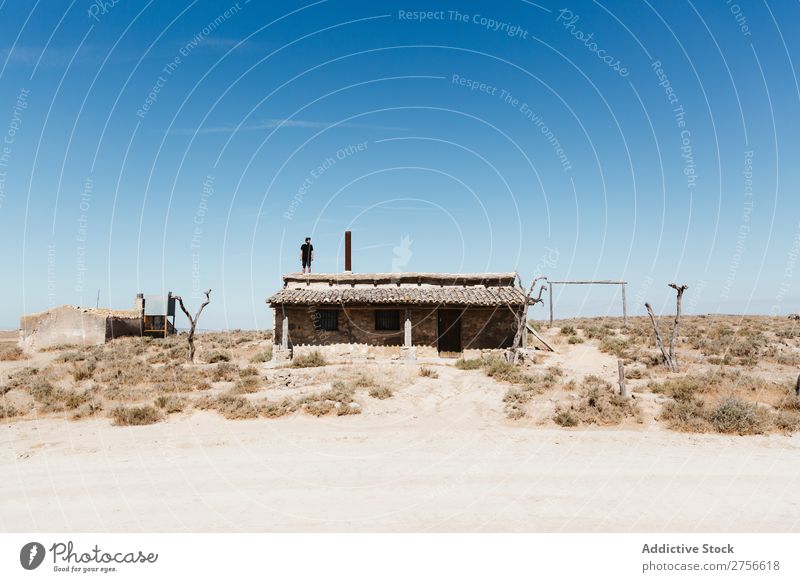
[659,341]
[522,316]
[193,321]
[670,357]
[679,289]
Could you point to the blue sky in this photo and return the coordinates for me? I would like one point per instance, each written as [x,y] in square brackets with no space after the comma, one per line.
[155,146]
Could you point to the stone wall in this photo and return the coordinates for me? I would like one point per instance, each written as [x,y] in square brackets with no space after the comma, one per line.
[481,328]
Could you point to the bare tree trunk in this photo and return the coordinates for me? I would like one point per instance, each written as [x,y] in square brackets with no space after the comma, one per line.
[193,321]
[522,316]
[672,356]
[659,341]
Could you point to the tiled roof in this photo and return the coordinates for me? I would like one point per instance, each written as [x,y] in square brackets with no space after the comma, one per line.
[413,278]
[475,295]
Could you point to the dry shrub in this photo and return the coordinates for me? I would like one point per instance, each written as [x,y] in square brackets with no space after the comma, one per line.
[135,415]
[516,398]
[248,371]
[616,346]
[313,359]
[574,339]
[565,418]
[735,416]
[225,372]
[380,392]
[362,380]
[427,372]
[471,364]
[338,398]
[170,403]
[72,356]
[234,407]
[601,405]
[502,370]
[786,422]
[685,416]
[247,385]
[8,411]
[10,352]
[218,356]
[84,370]
[568,330]
[262,356]
[278,409]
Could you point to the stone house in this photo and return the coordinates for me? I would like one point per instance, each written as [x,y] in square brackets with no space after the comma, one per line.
[397,313]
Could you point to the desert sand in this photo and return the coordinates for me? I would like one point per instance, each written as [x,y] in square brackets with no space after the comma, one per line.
[439,455]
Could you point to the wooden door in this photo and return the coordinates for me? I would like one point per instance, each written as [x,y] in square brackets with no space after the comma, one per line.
[449,331]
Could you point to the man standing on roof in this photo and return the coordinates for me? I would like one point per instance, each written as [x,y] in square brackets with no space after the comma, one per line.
[306,254]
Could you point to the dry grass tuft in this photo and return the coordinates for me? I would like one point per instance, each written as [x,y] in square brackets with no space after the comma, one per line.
[224,372]
[427,372]
[247,385]
[9,352]
[380,392]
[218,356]
[311,360]
[135,415]
[469,364]
[170,403]
[262,356]
[735,416]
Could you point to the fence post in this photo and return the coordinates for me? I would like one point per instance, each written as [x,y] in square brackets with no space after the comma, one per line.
[623,391]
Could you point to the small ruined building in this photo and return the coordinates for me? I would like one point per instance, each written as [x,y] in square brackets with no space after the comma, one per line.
[394,314]
[86,326]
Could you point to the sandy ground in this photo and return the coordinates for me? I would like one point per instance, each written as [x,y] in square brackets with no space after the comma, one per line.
[437,456]
[438,462]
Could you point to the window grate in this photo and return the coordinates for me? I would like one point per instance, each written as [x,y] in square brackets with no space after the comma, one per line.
[387,320]
[326,320]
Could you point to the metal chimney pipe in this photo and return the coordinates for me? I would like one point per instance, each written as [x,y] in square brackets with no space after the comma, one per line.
[348,265]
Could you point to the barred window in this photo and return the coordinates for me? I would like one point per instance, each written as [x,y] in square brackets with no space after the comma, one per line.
[387,320]
[326,320]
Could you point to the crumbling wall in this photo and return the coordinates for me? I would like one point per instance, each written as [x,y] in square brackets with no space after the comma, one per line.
[60,326]
[69,325]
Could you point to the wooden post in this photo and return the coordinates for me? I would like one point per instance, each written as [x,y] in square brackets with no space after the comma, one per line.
[622,390]
[348,267]
[550,292]
[624,307]
[525,329]
[285,332]
[407,330]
